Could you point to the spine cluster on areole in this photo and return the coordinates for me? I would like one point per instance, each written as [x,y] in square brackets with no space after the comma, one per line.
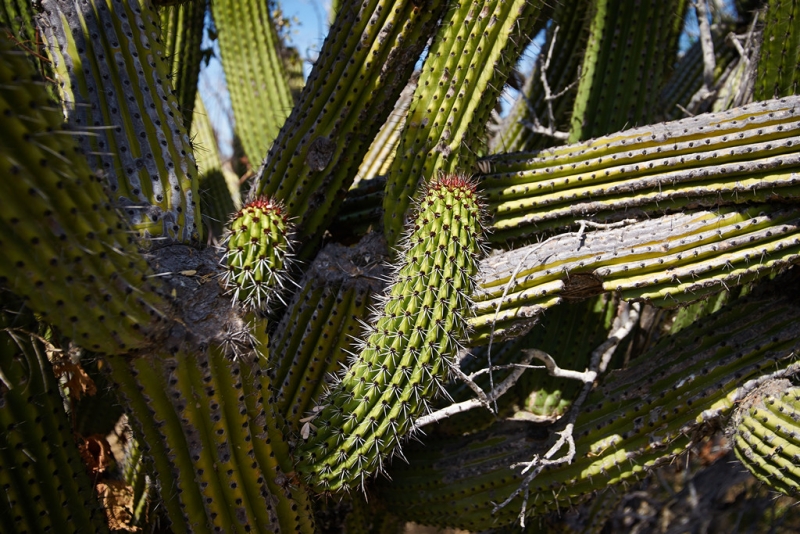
[406,356]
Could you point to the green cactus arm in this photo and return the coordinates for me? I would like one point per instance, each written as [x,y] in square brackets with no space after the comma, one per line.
[710,159]
[67,252]
[668,261]
[778,71]
[567,44]
[220,196]
[344,103]
[406,356]
[453,98]
[182,30]
[627,426]
[126,105]
[45,485]
[319,330]
[257,79]
[631,47]
[765,436]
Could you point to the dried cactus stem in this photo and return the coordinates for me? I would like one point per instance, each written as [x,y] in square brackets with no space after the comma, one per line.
[406,357]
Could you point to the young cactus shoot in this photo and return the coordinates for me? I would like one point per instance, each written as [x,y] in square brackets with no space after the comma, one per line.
[258,253]
[406,356]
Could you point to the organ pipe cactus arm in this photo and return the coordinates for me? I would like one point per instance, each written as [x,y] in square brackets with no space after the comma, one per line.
[473,54]
[65,248]
[136,133]
[409,350]
[366,60]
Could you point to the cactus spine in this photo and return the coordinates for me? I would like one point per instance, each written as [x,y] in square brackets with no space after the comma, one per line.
[407,353]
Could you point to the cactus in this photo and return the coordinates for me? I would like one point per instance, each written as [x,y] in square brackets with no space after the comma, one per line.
[241,415]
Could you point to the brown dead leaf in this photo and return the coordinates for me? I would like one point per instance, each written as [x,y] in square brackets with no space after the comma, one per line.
[96,454]
[78,382]
[117,498]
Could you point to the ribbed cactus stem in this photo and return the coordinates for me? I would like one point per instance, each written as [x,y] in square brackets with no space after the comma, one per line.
[258,252]
[406,357]
[766,437]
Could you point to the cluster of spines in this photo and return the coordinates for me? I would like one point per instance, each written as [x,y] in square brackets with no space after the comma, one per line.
[258,252]
[406,355]
[627,426]
[767,437]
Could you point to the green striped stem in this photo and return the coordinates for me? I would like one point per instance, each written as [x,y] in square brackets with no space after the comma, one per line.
[135,467]
[214,462]
[258,253]
[668,400]
[631,47]
[408,351]
[219,187]
[293,64]
[364,64]
[748,154]
[568,45]
[320,328]
[667,262]
[778,71]
[766,438]
[45,484]
[257,79]
[182,28]
[465,70]
[114,79]
[66,250]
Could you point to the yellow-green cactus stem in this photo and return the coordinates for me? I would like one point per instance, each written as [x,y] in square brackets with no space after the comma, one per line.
[66,249]
[778,71]
[767,437]
[407,355]
[324,320]
[114,80]
[183,27]
[44,482]
[465,70]
[258,253]
[251,53]
[365,62]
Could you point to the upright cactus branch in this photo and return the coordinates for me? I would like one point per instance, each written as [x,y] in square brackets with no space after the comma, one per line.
[446,124]
[779,65]
[135,131]
[183,27]
[408,352]
[66,250]
[366,61]
[254,68]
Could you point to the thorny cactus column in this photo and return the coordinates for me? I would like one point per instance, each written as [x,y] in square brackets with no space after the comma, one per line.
[407,355]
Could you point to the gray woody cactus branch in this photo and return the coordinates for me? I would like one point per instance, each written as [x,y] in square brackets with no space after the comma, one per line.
[188,349]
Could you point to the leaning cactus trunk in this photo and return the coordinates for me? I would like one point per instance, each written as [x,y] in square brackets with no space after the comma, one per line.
[408,352]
